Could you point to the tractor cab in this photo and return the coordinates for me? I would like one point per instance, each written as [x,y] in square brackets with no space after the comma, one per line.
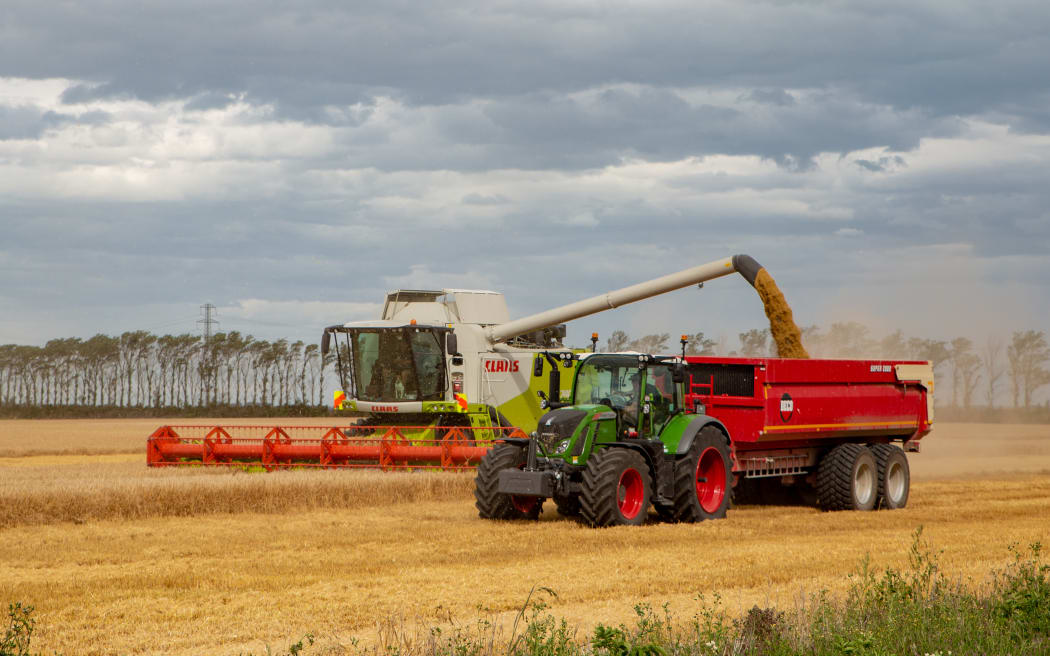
[614,396]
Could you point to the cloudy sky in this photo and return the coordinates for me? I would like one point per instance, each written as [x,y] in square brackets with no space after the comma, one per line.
[888,162]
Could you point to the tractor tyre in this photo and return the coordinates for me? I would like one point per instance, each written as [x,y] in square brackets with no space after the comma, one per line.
[848,479]
[894,476]
[493,504]
[616,488]
[702,478]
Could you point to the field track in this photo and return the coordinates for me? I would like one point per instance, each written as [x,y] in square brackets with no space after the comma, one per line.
[128,578]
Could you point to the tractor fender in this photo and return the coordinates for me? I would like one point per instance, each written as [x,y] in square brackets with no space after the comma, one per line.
[693,429]
[634,447]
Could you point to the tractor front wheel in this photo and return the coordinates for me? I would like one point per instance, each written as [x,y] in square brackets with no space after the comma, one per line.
[616,488]
[493,504]
[702,478]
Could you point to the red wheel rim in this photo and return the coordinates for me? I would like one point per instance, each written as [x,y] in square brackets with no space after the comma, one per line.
[524,505]
[710,480]
[629,493]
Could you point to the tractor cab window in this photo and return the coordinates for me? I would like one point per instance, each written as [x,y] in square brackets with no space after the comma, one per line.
[396,364]
[661,394]
[601,379]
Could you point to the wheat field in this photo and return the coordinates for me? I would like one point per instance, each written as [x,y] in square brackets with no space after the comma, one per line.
[118,558]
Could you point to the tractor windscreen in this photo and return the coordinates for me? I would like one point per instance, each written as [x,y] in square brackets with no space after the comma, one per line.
[616,380]
[394,364]
[602,377]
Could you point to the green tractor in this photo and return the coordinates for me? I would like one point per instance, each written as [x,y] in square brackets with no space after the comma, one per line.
[624,441]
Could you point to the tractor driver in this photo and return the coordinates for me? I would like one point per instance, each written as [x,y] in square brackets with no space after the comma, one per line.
[630,409]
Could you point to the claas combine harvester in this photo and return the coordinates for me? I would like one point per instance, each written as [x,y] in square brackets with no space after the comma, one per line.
[437,378]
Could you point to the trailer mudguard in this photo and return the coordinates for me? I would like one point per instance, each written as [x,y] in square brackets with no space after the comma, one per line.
[698,423]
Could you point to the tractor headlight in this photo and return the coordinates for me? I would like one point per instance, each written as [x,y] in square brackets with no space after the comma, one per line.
[563,446]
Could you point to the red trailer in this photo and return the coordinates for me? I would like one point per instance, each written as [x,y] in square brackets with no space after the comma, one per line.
[795,425]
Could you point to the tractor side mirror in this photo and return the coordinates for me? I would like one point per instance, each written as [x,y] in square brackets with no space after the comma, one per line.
[678,374]
[554,386]
[537,366]
[326,343]
[451,344]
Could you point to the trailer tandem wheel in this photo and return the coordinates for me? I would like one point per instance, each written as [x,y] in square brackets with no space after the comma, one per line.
[894,476]
[616,488]
[493,504]
[702,478]
[847,478]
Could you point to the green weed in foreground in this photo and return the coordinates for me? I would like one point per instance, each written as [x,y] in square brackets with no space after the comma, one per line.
[916,611]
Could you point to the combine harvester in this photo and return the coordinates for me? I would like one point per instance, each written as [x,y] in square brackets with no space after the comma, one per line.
[439,377]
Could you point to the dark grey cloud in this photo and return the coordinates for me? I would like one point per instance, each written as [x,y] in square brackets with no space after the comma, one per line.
[935,56]
[325,151]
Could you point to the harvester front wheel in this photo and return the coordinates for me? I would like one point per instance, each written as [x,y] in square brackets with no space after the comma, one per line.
[702,478]
[894,476]
[848,479]
[616,488]
[493,504]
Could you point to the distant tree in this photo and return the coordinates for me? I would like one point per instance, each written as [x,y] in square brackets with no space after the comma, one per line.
[848,340]
[699,345]
[655,343]
[964,367]
[754,343]
[617,341]
[1027,355]
[894,346]
[991,357]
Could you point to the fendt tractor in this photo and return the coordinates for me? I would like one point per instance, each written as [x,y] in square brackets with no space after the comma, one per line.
[680,433]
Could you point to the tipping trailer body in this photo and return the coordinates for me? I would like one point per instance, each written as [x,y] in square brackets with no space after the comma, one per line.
[781,413]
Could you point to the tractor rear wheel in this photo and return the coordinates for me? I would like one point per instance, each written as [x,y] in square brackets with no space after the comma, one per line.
[848,479]
[702,478]
[616,488]
[894,476]
[493,504]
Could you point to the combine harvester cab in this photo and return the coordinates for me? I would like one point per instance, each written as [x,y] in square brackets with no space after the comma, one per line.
[691,430]
[428,362]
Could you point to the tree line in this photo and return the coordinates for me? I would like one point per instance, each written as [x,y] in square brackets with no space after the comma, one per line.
[975,374]
[139,369]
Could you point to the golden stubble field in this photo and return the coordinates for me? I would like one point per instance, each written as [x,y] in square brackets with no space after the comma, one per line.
[121,559]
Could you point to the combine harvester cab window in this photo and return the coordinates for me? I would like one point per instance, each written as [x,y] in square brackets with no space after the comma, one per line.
[397,364]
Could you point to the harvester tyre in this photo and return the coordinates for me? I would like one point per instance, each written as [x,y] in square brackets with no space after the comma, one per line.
[702,478]
[616,488]
[894,476]
[490,502]
[847,478]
